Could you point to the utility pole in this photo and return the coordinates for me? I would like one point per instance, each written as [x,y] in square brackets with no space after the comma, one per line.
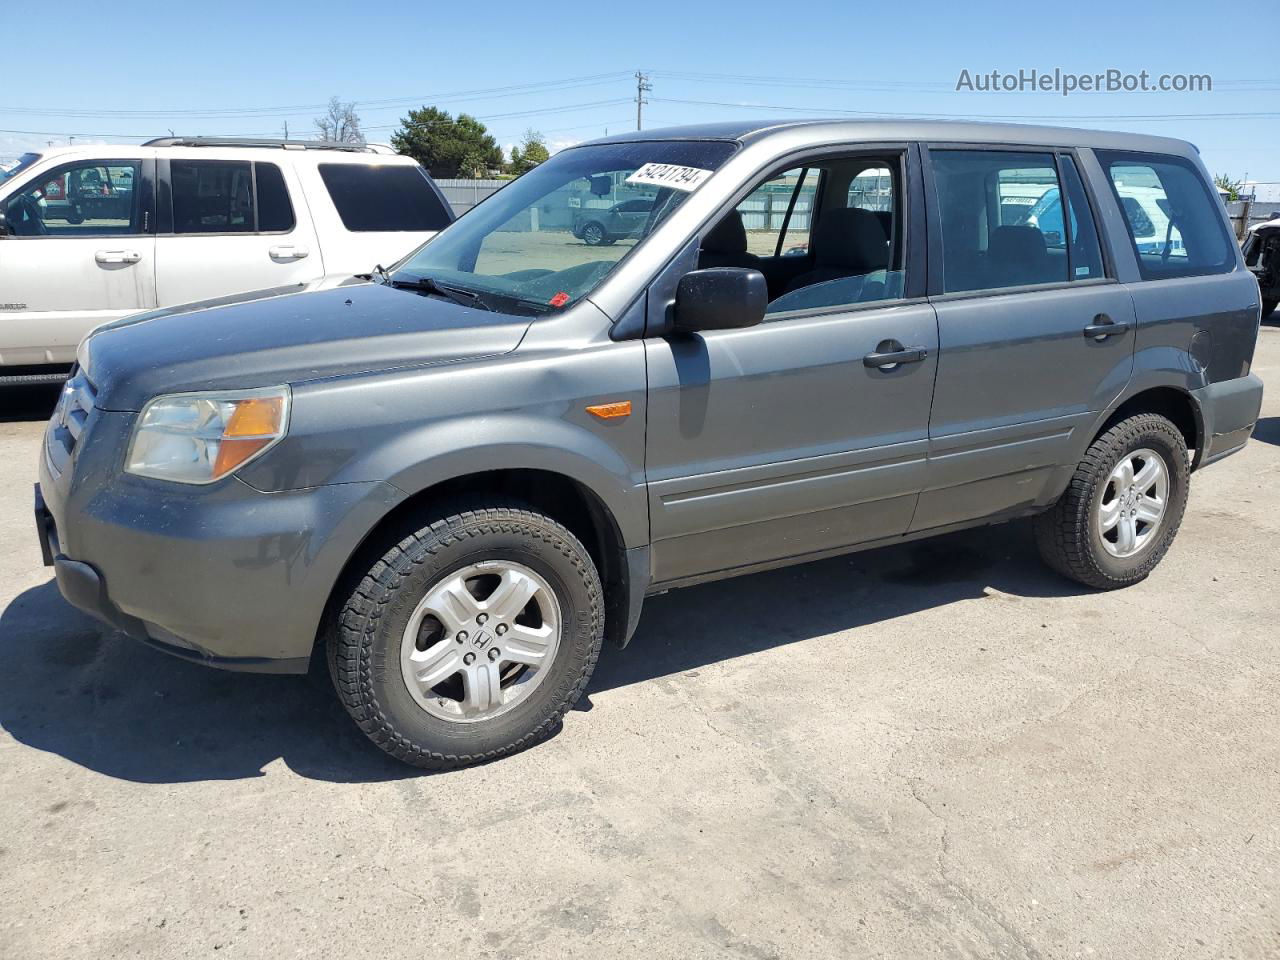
[643,86]
[286,129]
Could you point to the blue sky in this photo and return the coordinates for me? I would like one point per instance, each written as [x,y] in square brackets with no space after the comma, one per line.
[137,68]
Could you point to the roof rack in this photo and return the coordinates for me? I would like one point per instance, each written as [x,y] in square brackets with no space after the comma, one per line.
[268,142]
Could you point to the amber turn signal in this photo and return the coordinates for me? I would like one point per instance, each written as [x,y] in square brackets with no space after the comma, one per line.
[610,411]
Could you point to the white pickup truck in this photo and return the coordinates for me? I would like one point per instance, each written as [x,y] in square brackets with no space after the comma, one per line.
[89,234]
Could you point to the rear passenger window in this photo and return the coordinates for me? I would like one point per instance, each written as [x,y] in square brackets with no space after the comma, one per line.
[1173,220]
[275,212]
[1003,224]
[212,196]
[384,198]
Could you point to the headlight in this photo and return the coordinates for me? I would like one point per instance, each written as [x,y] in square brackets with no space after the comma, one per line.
[202,437]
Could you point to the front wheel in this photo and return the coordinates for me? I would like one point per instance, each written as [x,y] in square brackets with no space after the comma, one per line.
[470,638]
[1123,507]
[594,235]
[1268,306]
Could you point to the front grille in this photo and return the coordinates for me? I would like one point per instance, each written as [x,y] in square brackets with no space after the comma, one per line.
[69,418]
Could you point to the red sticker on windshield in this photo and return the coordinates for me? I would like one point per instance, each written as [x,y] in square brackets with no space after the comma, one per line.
[559,300]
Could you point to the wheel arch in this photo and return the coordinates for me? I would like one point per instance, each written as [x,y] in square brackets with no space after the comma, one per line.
[564,498]
[1173,402]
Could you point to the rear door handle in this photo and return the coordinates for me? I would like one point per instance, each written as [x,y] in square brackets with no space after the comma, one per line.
[1103,327]
[288,252]
[889,359]
[117,256]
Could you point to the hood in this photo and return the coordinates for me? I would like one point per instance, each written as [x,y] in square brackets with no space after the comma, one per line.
[286,335]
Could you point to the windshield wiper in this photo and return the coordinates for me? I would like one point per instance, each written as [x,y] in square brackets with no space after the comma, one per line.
[427,285]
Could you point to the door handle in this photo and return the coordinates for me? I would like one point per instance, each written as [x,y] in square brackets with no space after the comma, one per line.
[1103,327]
[890,358]
[117,256]
[288,251]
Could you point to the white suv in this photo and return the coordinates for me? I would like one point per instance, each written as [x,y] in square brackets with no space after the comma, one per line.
[93,233]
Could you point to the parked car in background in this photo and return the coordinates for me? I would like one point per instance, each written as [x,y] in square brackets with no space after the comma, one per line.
[455,481]
[89,234]
[1262,256]
[606,225]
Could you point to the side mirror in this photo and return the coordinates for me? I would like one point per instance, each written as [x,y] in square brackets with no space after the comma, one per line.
[601,186]
[720,298]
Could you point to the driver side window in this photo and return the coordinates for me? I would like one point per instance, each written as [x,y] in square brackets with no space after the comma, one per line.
[88,199]
[825,236]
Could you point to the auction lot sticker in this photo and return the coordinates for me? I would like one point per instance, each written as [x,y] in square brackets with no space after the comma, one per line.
[670,175]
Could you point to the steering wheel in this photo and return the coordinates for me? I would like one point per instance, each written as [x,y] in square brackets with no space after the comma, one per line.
[32,222]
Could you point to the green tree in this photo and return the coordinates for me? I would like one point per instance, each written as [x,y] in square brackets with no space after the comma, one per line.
[445,146]
[1224,182]
[528,154]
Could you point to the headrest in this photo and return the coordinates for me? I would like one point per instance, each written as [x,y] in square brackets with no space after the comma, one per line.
[850,239]
[727,236]
[1022,244]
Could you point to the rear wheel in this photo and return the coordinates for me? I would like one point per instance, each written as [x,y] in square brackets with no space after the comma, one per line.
[1123,507]
[470,638]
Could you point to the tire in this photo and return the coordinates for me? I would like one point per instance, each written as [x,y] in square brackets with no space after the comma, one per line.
[594,234]
[1070,534]
[1268,307]
[426,728]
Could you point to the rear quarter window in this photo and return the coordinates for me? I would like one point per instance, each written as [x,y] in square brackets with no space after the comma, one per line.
[1174,222]
[382,199]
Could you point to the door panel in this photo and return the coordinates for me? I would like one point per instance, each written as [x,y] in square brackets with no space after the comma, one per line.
[212,249]
[1017,378]
[82,256]
[777,441]
[56,289]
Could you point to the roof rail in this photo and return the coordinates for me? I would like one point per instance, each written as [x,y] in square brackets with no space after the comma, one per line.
[267,142]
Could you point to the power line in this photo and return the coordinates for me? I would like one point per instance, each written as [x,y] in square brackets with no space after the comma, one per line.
[544,86]
[880,85]
[564,108]
[896,114]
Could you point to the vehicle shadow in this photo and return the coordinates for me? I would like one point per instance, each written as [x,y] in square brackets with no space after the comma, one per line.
[1268,430]
[26,403]
[110,704]
[689,628]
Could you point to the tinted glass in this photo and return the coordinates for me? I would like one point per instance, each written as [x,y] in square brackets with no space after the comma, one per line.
[94,198]
[212,196]
[1175,223]
[990,238]
[1086,254]
[275,212]
[383,198]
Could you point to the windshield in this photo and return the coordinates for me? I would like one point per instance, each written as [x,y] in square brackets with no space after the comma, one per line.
[550,237]
[14,167]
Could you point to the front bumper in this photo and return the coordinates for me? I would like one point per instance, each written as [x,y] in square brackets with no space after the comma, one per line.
[224,574]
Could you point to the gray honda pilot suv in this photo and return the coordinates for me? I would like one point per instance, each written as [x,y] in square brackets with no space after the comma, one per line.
[457,477]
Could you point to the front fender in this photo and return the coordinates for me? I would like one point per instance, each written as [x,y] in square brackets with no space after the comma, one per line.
[478,444]
[415,429]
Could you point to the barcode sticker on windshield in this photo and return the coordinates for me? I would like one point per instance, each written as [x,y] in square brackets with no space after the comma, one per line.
[670,175]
